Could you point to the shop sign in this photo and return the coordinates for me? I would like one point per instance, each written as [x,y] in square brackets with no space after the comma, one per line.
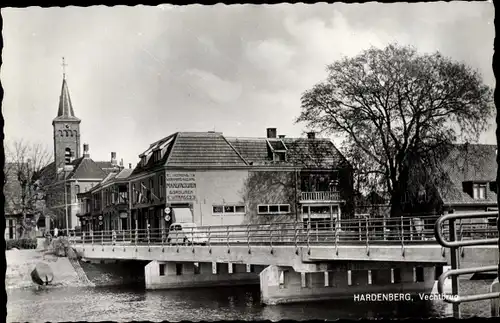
[181,187]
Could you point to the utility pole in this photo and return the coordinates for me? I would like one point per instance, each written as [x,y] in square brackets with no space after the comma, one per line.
[66,203]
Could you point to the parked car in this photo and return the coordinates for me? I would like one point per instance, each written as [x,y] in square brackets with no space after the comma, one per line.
[186,233]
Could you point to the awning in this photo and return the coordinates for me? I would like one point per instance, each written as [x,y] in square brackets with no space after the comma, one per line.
[183,215]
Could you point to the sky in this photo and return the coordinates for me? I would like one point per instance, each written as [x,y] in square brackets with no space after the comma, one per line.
[138,74]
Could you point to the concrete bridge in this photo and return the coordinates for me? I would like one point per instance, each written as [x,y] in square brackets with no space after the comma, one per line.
[294,261]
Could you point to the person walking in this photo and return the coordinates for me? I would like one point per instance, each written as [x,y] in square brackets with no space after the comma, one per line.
[56,231]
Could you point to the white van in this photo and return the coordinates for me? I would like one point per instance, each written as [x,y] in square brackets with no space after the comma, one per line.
[186,233]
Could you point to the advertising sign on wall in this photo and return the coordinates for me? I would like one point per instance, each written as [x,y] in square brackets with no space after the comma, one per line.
[181,187]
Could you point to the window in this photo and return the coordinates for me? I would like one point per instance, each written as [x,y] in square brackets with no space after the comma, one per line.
[228,209]
[67,156]
[144,160]
[151,187]
[280,156]
[479,191]
[161,186]
[113,197]
[273,209]
[157,155]
[178,269]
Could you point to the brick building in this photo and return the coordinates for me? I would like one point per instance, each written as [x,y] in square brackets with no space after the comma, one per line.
[210,179]
[71,172]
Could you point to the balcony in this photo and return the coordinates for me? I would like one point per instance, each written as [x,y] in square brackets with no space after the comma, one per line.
[319,196]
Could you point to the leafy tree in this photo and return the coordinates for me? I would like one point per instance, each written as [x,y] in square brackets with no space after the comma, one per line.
[395,106]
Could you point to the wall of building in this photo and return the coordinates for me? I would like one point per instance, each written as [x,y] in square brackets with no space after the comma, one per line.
[218,187]
[84,186]
[271,187]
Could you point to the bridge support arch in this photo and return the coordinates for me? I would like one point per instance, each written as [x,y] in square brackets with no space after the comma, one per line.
[281,284]
[174,275]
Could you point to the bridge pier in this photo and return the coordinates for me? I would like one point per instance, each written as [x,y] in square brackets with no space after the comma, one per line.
[280,284]
[174,275]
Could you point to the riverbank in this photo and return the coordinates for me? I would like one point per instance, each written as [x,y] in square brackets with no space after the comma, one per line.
[20,263]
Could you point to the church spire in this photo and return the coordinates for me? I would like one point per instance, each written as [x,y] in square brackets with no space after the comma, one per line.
[65,107]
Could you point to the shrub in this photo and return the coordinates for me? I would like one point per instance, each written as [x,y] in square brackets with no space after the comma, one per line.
[21,244]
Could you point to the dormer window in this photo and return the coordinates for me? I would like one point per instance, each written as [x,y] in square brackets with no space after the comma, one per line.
[277,150]
[143,160]
[280,156]
[479,191]
[157,155]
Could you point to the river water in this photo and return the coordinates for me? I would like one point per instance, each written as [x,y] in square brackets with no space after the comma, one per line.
[212,304]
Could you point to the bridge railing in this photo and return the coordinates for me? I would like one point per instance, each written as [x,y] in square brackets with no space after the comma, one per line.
[403,230]
[454,241]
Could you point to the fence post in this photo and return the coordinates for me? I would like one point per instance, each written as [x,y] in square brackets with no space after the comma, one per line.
[384,224]
[359,229]
[402,237]
[402,230]
[248,238]
[295,237]
[367,237]
[308,235]
[271,235]
[454,265]
[411,229]
[337,240]
[209,247]
[495,303]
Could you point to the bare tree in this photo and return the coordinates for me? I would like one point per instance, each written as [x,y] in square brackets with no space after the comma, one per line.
[396,106]
[23,191]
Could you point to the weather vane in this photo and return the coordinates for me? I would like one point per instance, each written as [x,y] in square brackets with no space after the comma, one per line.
[64,68]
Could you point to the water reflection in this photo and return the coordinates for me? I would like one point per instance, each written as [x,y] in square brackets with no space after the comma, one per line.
[210,304]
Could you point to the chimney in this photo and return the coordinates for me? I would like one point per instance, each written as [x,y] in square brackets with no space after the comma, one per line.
[311,135]
[86,153]
[271,132]
[130,165]
[282,136]
[121,163]
[113,159]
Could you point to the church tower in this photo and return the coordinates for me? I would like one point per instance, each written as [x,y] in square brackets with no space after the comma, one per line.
[66,129]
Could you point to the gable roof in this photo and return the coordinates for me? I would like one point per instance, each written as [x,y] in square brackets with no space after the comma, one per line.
[302,152]
[469,163]
[212,149]
[202,149]
[86,168]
